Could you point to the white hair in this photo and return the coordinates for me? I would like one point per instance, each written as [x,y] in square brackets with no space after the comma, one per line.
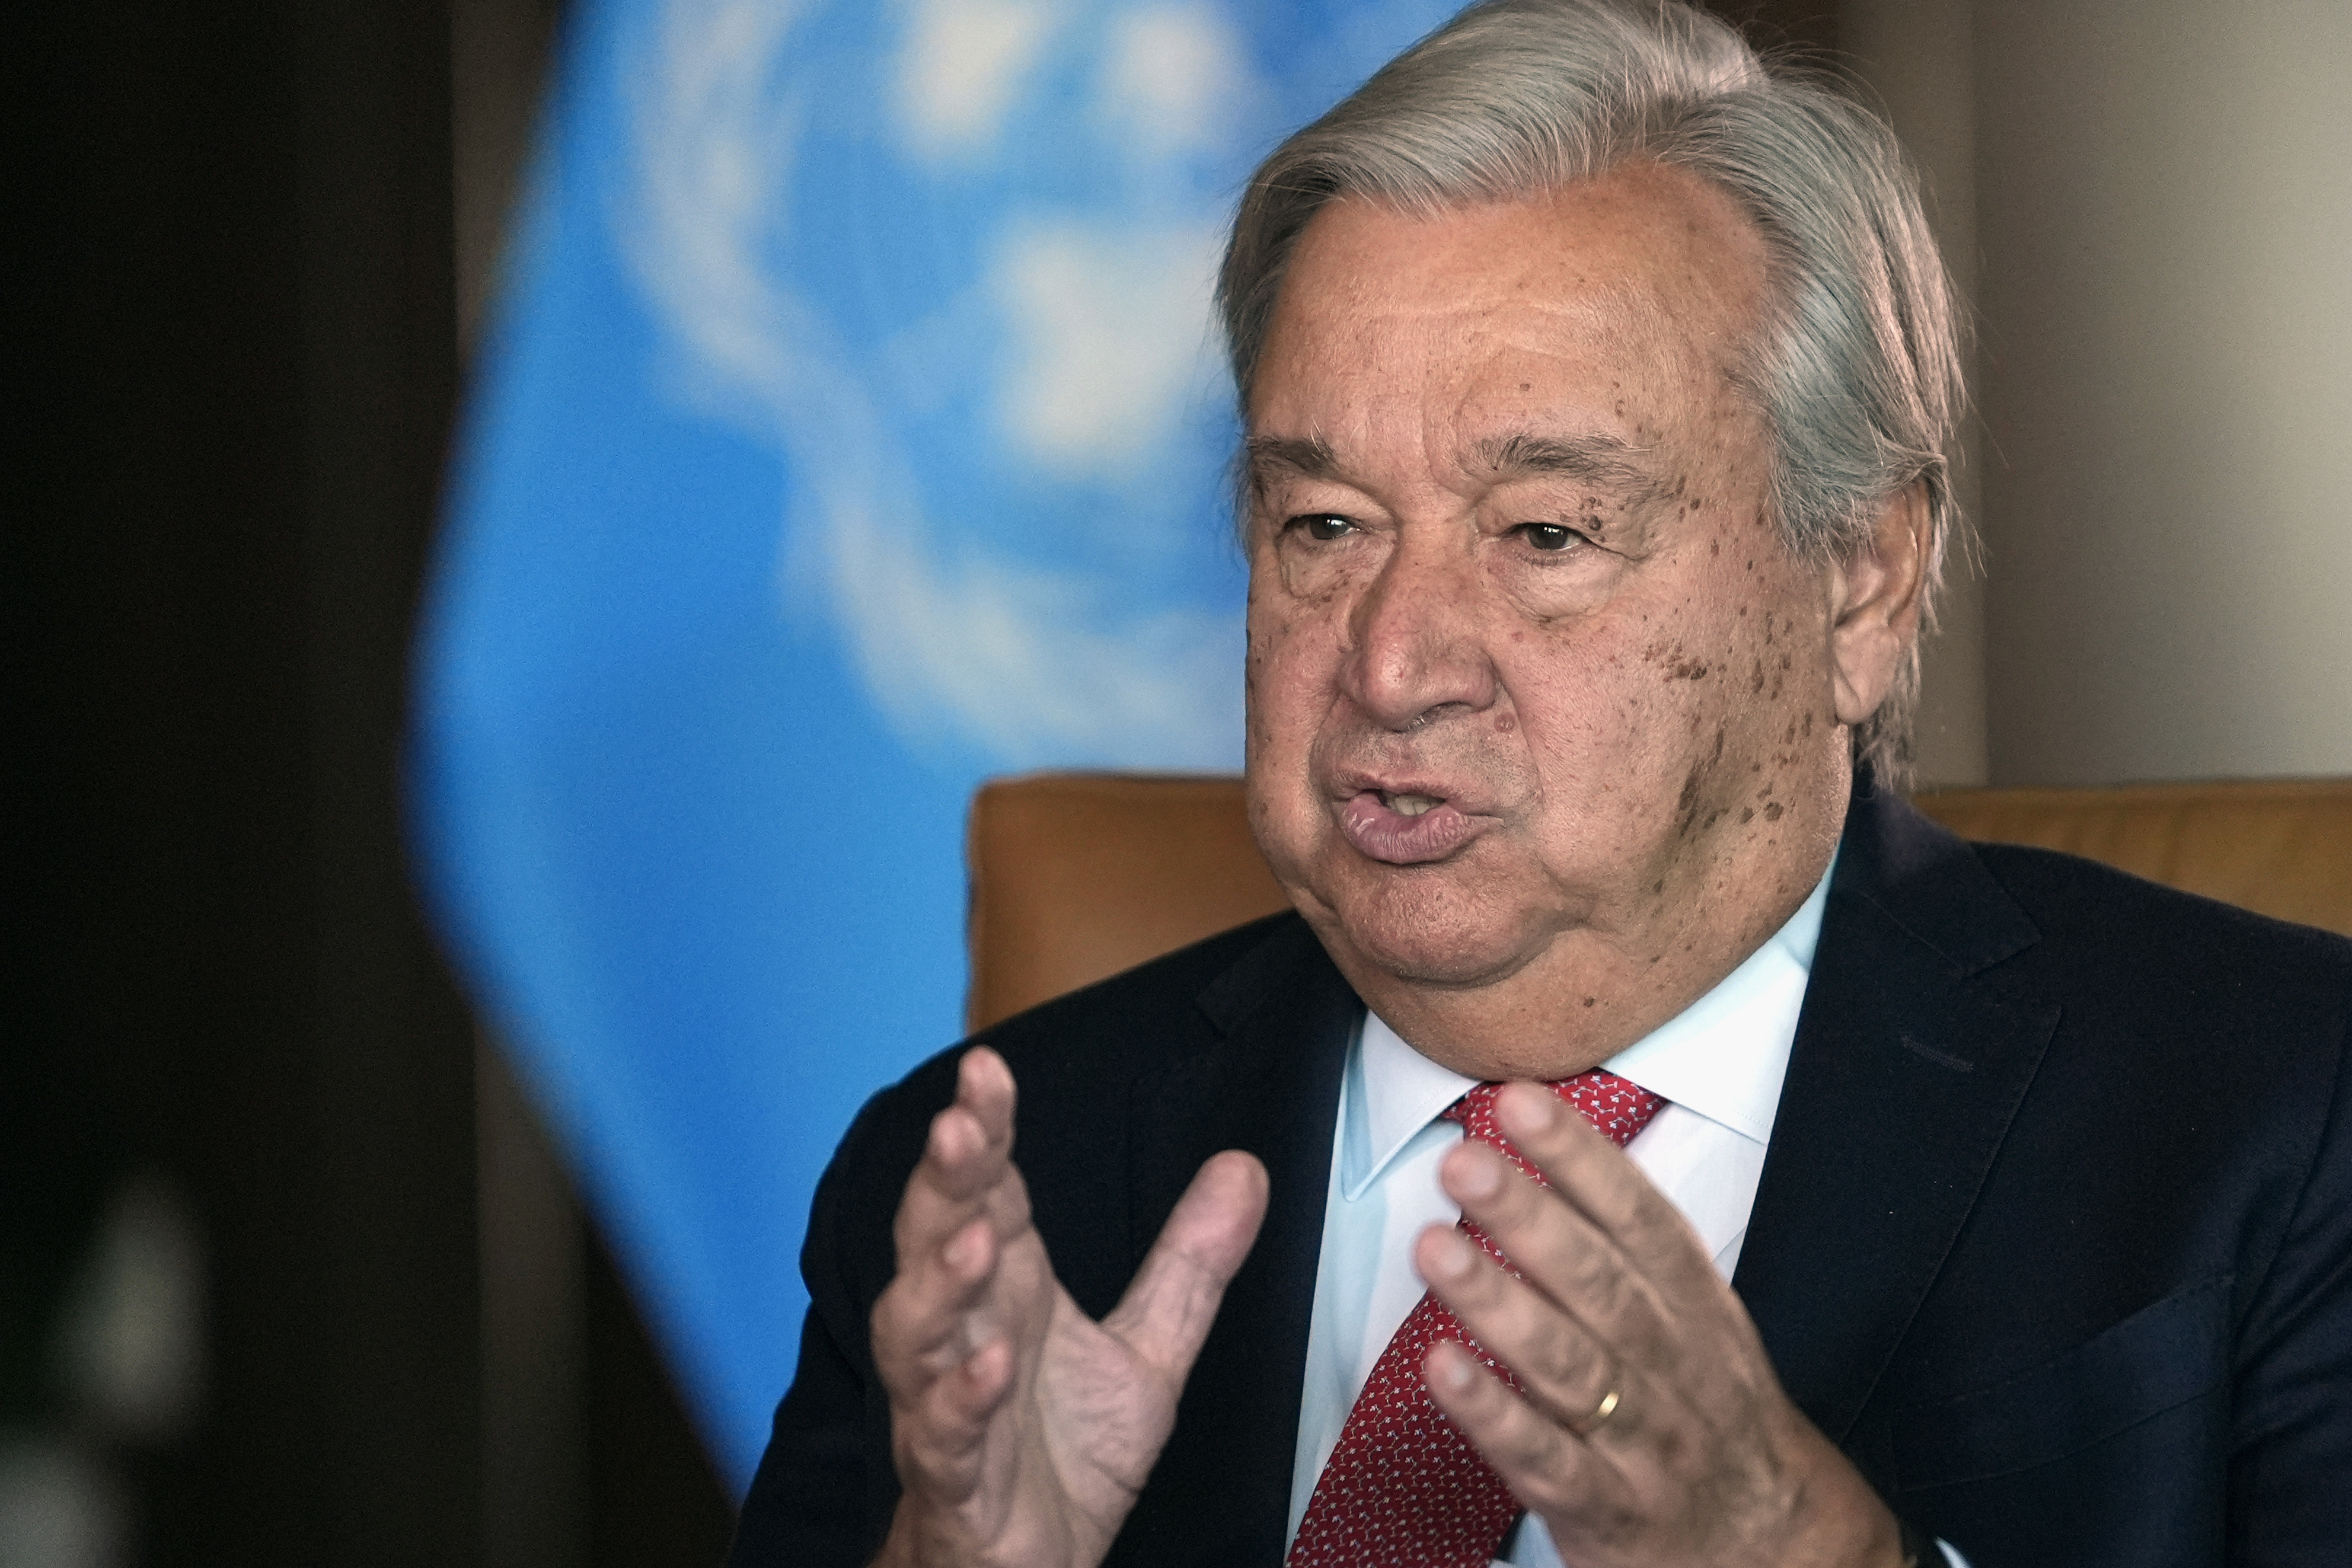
[1857,367]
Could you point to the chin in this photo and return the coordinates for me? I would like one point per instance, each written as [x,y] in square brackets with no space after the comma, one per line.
[1435,933]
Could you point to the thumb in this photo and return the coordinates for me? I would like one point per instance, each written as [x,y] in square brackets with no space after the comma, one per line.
[1166,1312]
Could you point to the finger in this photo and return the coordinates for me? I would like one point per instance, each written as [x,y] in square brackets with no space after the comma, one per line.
[1547,1468]
[1643,1286]
[973,1136]
[1561,1252]
[1596,1178]
[964,1205]
[940,1449]
[1167,1311]
[942,1302]
[1563,1368]
[932,1318]
[967,1164]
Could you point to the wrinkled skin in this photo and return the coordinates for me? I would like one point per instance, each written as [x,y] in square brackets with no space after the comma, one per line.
[1021,1429]
[1512,548]
[1548,731]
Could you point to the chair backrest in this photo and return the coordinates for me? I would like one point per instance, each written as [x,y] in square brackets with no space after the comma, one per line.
[1077,876]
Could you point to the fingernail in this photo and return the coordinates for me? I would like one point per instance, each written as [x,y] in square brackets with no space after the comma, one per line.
[1453,1371]
[947,1140]
[1454,1256]
[1475,1175]
[1533,1111]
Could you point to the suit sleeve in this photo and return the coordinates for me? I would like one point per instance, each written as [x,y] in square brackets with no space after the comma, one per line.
[2290,1503]
[805,1504]
[826,1488]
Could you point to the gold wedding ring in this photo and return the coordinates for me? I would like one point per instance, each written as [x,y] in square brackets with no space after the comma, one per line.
[1600,1413]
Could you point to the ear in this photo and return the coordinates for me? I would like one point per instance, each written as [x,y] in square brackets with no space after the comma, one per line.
[1874,597]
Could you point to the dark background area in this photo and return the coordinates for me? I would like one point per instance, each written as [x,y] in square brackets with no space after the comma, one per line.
[236,354]
[236,359]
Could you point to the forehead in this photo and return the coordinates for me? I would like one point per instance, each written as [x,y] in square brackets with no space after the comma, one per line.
[1618,305]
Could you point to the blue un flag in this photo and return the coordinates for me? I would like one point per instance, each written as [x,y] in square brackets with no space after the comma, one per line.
[853,428]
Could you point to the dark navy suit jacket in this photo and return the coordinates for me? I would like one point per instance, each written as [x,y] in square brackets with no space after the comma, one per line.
[2053,1235]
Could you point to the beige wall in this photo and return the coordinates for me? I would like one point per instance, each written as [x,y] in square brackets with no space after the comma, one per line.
[1915,56]
[2162,196]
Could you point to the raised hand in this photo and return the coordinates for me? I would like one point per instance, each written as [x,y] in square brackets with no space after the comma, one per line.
[1651,1429]
[1023,1429]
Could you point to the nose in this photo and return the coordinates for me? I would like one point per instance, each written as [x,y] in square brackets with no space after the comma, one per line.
[1418,646]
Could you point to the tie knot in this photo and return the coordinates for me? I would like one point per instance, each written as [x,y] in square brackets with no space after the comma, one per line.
[1617,1108]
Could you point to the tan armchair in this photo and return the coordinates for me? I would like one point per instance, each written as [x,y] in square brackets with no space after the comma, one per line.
[1076,876]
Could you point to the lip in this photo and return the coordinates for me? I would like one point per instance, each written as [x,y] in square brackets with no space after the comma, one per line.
[1392,838]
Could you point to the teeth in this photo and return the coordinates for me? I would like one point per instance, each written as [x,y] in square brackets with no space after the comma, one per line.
[1410,805]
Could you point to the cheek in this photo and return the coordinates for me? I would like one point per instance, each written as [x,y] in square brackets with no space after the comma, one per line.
[1670,696]
[1594,711]
[1287,674]
[1774,695]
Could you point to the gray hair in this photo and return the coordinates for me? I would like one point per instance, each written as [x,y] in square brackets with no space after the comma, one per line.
[1857,367]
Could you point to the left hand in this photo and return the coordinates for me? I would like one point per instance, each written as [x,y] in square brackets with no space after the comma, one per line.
[1702,1458]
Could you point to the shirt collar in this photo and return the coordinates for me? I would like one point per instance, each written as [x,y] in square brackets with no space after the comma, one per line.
[1722,1057]
[1392,1092]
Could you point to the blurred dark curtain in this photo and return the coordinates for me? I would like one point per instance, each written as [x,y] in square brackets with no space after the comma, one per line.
[236,365]
[234,351]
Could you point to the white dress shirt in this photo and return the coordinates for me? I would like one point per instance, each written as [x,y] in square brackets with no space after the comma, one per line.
[1718,1063]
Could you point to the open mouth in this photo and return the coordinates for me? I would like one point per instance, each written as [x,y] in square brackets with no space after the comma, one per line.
[1403,827]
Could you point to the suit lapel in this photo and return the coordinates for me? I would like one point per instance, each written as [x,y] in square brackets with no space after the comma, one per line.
[1911,1056]
[1910,1059]
[1269,1084]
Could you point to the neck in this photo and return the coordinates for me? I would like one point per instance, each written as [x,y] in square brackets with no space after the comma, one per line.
[1587,995]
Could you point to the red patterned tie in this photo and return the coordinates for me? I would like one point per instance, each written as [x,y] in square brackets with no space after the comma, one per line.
[1404,1489]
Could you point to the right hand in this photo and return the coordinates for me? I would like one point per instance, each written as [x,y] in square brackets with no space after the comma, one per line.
[1021,1429]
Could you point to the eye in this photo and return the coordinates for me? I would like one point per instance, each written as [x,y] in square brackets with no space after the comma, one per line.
[1321,526]
[1551,537]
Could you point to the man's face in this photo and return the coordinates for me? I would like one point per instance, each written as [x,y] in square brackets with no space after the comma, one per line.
[1543,734]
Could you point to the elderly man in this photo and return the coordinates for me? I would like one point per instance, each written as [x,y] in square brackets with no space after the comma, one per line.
[1597,381]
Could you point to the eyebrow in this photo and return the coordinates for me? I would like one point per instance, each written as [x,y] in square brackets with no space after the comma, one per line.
[1596,459]
[1308,456]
